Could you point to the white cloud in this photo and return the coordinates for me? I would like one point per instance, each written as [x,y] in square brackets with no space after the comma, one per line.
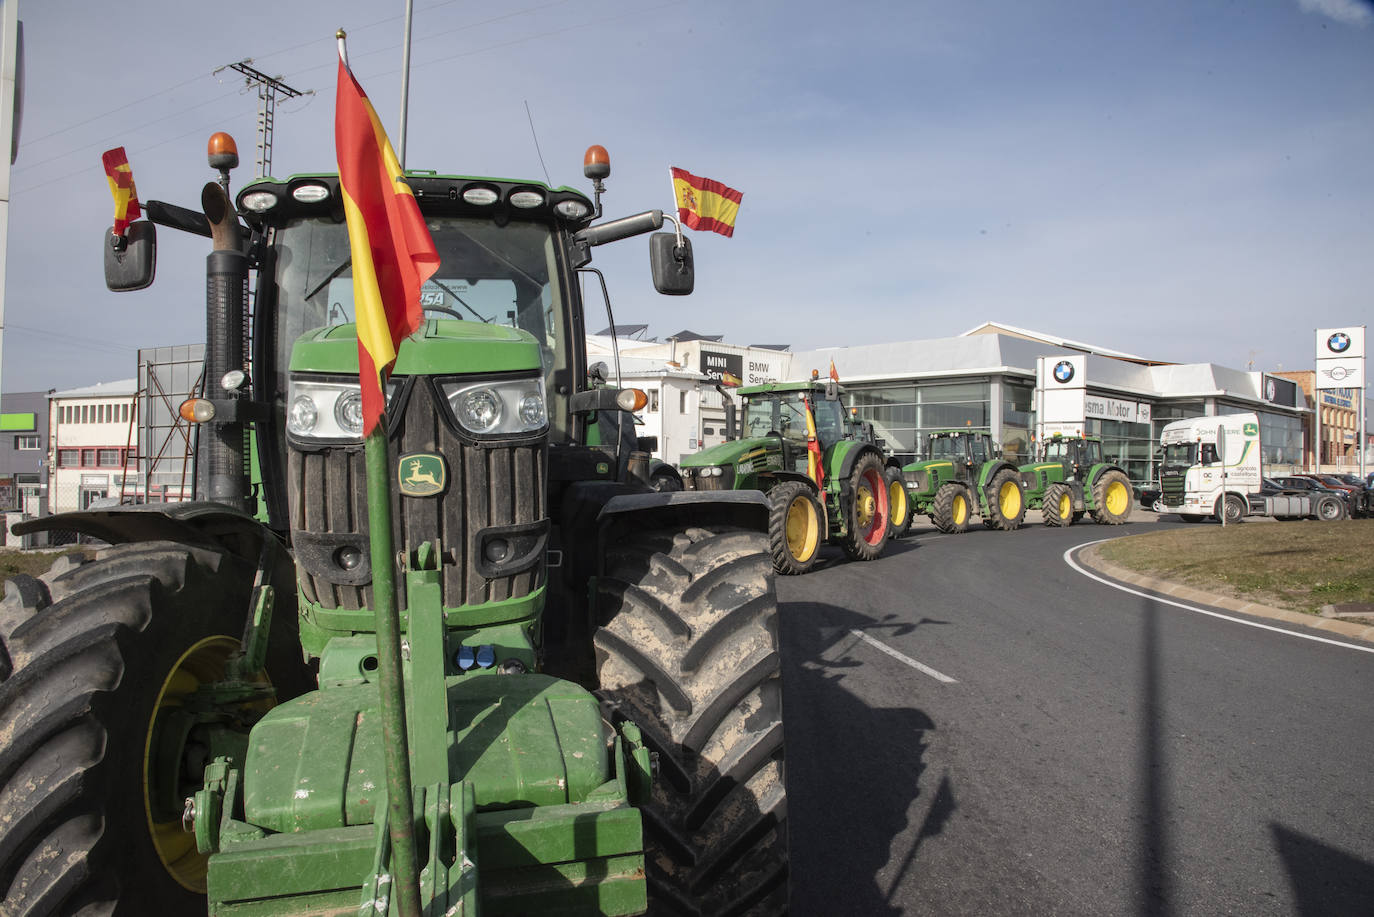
[1351,12]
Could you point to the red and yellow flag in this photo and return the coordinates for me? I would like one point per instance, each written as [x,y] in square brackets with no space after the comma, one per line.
[393,254]
[705,204]
[834,373]
[120,175]
[815,467]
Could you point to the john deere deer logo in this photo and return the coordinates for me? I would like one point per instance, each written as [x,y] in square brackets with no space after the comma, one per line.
[421,474]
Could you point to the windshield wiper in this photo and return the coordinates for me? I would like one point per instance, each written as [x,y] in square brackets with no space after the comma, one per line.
[343,266]
[440,284]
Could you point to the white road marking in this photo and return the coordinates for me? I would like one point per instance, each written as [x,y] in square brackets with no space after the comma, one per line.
[904,658]
[1068,559]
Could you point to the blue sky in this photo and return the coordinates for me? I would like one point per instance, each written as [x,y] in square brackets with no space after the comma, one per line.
[1188,181]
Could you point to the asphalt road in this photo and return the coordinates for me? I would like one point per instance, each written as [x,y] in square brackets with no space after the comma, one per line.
[1093,752]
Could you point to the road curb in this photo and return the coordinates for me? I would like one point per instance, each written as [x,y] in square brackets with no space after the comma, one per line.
[1091,557]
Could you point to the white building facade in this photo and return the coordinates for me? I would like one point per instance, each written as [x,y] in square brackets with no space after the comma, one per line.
[92,436]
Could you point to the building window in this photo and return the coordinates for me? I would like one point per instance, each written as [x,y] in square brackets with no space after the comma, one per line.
[653,401]
[27,442]
[123,413]
[682,402]
[109,458]
[68,458]
[87,458]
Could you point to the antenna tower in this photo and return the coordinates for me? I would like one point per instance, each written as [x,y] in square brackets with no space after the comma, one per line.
[268,89]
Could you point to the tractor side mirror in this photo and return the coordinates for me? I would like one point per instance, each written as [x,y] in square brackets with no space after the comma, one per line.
[731,421]
[131,259]
[671,263]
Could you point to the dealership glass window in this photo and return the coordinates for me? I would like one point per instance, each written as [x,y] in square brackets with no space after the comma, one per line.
[905,415]
[1018,419]
[1128,444]
[1281,437]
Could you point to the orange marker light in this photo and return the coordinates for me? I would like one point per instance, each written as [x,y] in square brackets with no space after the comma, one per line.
[596,163]
[196,410]
[222,151]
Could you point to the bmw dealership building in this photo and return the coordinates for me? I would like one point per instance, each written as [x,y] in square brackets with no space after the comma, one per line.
[1018,385]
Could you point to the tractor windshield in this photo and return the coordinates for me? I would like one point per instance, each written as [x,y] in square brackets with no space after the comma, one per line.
[782,413]
[504,275]
[946,447]
[1056,450]
[830,420]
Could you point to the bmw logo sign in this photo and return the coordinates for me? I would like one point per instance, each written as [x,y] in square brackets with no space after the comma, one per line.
[1338,342]
[1063,371]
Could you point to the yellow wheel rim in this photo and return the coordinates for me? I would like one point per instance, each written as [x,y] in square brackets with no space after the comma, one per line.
[1065,506]
[959,510]
[896,502]
[1009,500]
[1117,498]
[864,506]
[202,664]
[803,529]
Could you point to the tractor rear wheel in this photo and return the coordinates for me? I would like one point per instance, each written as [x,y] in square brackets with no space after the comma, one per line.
[1057,506]
[1006,500]
[99,659]
[867,511]
[795,528]
[688,651]
[952,508]
[898,503]
[1112,494]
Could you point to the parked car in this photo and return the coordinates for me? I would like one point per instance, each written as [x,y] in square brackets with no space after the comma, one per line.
[1304,483]
[1357,497]
[1150,497]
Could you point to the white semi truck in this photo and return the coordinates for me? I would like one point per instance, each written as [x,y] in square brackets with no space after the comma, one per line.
[1211,468]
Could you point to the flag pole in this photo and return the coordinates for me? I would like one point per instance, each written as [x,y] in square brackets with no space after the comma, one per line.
[405,85]
[405,870]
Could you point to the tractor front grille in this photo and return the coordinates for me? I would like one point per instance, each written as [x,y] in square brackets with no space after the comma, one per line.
[490,522]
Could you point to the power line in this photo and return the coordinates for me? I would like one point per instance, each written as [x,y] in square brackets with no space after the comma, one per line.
[268,87]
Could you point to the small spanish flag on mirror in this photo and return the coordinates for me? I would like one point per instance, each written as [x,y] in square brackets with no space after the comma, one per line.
[705,204]
[120,175]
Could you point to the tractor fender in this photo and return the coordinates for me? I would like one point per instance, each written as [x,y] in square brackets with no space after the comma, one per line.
[852,455]
[193,523]
[990,469]
[778,477]
[747,509]
[1097,471]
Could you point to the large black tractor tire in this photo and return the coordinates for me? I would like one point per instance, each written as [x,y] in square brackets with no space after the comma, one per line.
[796,527]
[91,656]
[1006,501]
[688,651]
[1057,506]
[898,504]
[665,482]
[951,509]
[1112,498]
[1233,507]
[867,510]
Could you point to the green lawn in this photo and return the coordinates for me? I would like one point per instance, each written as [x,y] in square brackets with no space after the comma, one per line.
[1296,565]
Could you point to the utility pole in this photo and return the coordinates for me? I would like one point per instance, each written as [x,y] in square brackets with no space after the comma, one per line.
[268,89]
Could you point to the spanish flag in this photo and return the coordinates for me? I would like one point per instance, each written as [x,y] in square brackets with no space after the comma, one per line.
[393,254]
[120,175]
[705,204]
[815,465]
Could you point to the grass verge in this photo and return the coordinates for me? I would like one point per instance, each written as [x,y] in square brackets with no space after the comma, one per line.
[1295,565]
[34,563]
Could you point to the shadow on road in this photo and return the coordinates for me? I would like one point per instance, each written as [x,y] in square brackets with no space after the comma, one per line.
[1325,880]
[854,770]
[1152,872]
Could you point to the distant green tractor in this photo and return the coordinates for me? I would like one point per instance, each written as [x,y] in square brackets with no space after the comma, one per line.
[1071,478]
[824,484]
[963,474]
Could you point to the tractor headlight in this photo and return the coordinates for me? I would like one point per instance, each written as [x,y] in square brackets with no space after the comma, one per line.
[498,408]
[324,411]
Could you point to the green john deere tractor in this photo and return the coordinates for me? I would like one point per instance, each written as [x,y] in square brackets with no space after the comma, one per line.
[1071,478]
[962,475]
[193,715]
[790,428]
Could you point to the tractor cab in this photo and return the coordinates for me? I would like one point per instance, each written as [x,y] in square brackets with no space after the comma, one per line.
[962,446]
[783,412]
[1076,453]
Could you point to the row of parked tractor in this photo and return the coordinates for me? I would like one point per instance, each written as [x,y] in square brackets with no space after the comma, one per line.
[829,479]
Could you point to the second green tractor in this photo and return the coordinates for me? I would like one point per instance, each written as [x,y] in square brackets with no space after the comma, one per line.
[964,475]
[1072,478]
